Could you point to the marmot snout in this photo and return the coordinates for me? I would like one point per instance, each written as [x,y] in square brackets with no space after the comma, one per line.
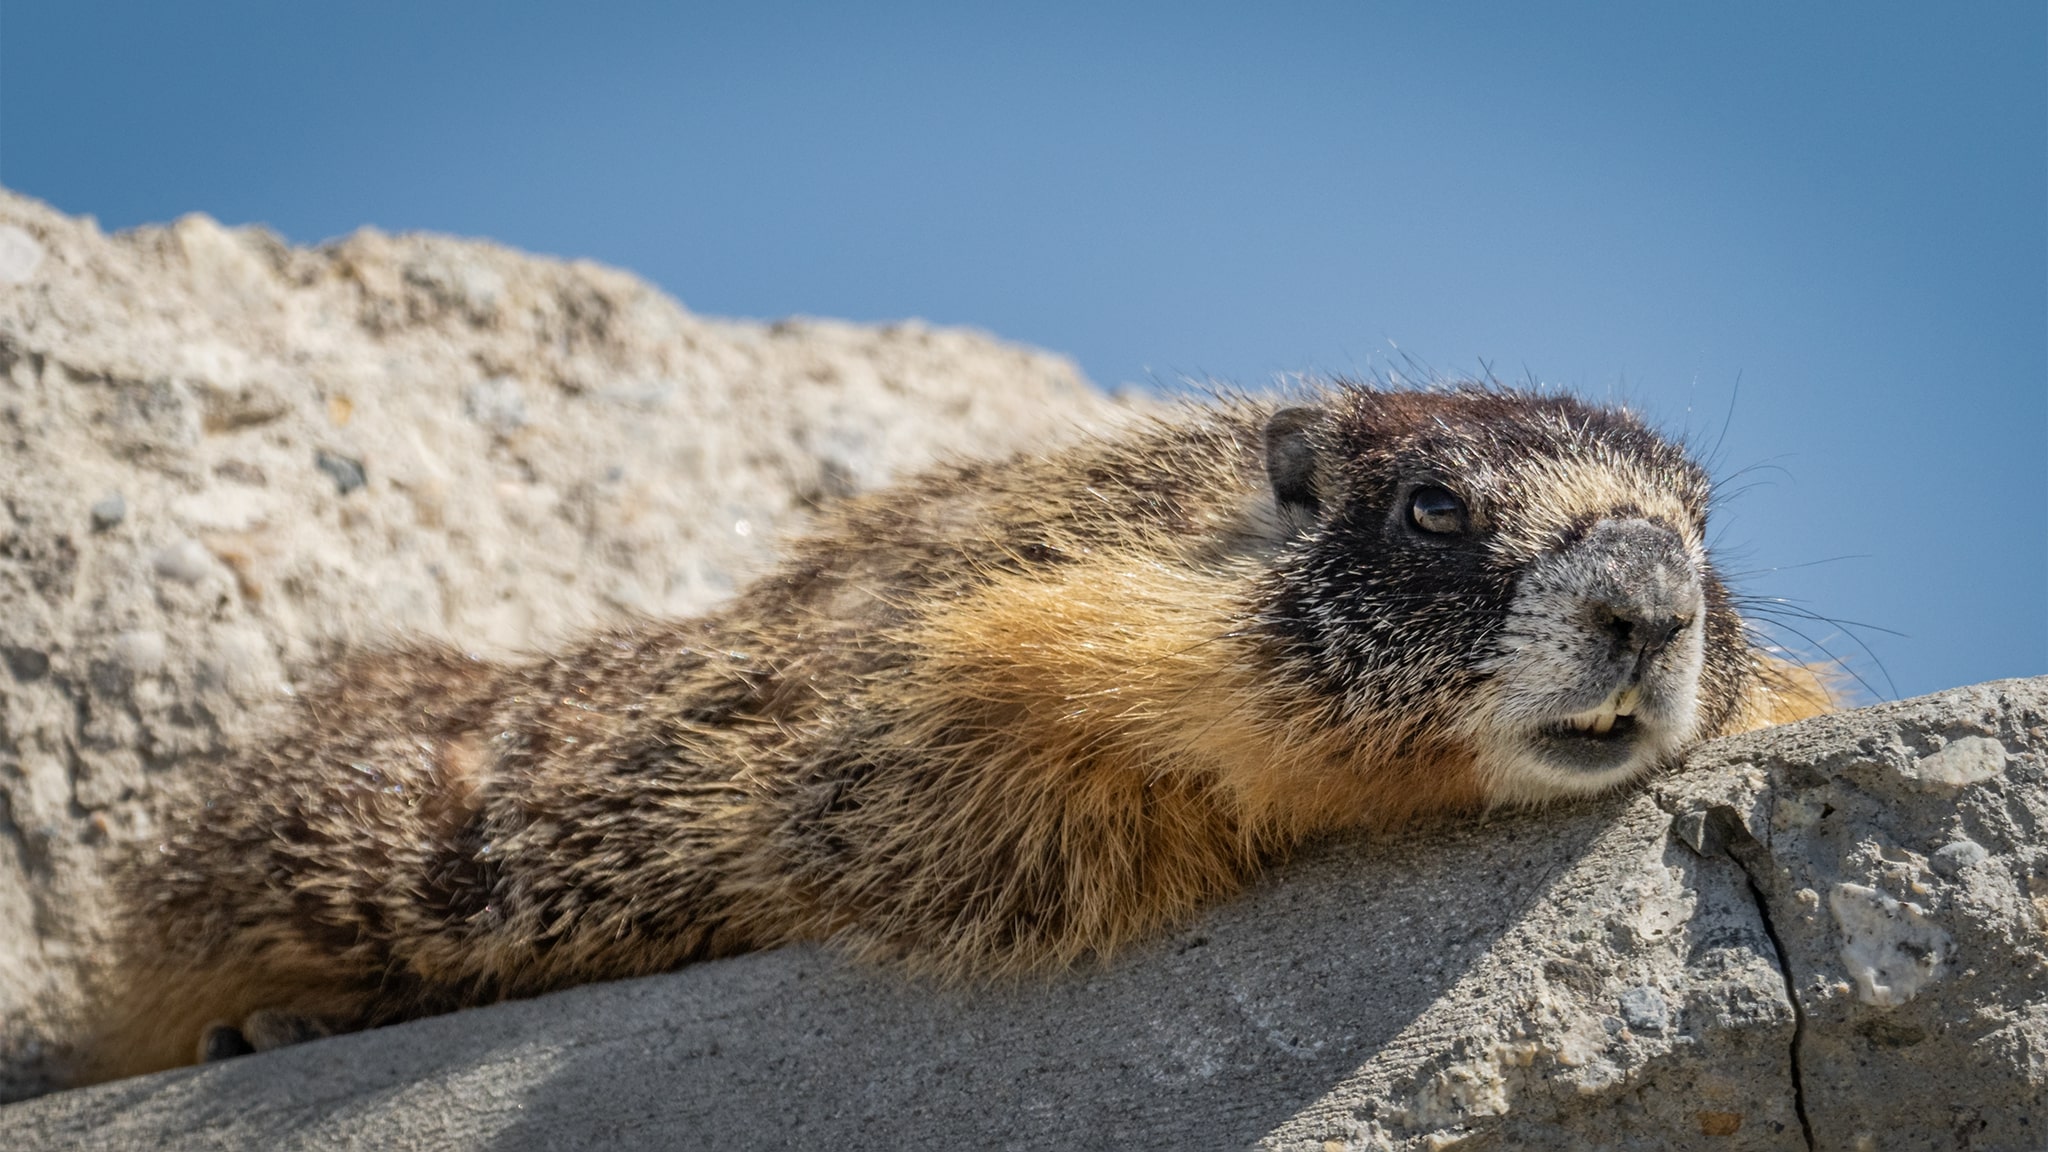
[995,719]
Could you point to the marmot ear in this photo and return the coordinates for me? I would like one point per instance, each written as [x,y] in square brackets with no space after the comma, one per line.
[1291,460]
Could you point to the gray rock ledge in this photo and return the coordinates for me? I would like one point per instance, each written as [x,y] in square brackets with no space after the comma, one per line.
[1828,935]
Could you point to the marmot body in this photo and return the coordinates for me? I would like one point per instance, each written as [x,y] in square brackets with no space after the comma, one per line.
[993,719]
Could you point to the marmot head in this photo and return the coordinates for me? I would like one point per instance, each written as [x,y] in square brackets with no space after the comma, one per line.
[1520,577]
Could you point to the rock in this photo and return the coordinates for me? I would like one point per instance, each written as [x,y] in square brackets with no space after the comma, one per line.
[1644,1010]
[345,471]
[222,457]
[109,511]
[26,663]
[187,562]
[1652,971]
[1969,760]
[20,255]
[139,653]
[497,404]
[1957,855]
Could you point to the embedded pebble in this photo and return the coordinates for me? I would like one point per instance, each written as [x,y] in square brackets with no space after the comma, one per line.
[26,663]
[108,511]
[187,562]
[1718,1123]
[1890,947]
[20,255]
[497,404]
[141,652]
[347,473]
[1970,760]
[1644,1009]
[1957,855]
[229,508]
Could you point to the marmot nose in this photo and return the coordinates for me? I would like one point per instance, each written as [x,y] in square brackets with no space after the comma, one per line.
[1640,633]
[1642,589]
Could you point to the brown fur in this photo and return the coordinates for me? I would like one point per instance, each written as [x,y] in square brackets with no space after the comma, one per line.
[997,719]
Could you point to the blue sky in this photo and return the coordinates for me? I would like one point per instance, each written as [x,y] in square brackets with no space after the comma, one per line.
[1844,208]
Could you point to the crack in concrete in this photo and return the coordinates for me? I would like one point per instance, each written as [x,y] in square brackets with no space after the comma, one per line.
[1763,912]
[1720,831]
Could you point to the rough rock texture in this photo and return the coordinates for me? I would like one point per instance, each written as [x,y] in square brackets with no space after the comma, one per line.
[220,456]
[1904,872]
[1829,935]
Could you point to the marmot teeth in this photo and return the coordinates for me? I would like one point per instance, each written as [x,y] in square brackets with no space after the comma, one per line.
[1600,721]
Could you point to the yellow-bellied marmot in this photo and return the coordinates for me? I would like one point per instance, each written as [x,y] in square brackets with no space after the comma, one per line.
[996,718]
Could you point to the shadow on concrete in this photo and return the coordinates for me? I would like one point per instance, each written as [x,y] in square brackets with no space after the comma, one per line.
[1207,1039]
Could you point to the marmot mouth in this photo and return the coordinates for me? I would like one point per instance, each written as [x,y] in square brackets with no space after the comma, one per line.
[1608,729]
[1612,719]
[1568,746]
[1599,739]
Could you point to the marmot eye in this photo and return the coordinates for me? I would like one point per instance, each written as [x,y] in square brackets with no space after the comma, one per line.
[1437,510]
